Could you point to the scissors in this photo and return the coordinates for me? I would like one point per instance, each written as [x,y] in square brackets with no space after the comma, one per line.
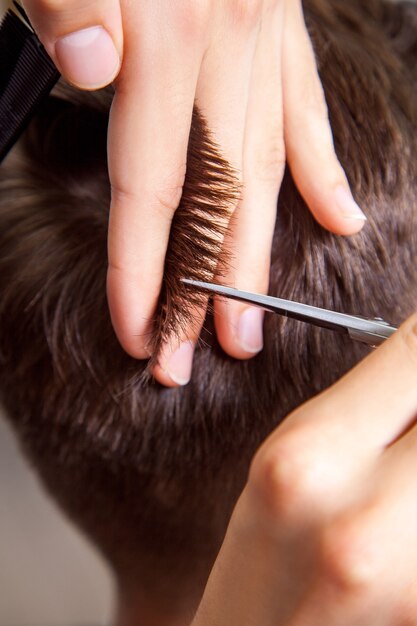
[372,332]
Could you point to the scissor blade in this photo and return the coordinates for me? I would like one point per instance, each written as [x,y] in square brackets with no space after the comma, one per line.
[357,327]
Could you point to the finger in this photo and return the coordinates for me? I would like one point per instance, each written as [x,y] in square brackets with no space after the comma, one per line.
[223,84]
[148,136]
[174,365]
[355,577]
[85,39]
[222,94]
[239,328]
[361,545]
[352,422]
[308,138]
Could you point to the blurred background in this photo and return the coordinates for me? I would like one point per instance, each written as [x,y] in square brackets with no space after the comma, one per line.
[49,574]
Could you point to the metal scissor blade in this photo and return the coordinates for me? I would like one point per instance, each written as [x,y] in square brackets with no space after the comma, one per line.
[371,332]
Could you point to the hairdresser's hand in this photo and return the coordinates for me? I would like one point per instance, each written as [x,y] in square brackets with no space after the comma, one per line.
[250,65]
[325,532]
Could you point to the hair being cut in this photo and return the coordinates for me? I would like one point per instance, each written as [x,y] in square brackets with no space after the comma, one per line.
[152,474]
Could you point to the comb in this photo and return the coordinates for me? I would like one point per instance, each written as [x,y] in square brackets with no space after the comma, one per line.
[27,75]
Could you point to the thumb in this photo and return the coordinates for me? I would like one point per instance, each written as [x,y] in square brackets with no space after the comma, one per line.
[84,39]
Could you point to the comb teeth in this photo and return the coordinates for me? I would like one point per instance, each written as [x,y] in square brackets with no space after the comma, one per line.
[27,77]
[13,34]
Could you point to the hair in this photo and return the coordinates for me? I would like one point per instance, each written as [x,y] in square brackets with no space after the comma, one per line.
[152,474]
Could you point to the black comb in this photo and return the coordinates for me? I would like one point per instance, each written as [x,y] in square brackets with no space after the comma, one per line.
[27,75]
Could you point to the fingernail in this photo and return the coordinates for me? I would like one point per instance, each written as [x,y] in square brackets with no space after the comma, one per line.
[347,206]
[88,57]
[178,366]
[250,330]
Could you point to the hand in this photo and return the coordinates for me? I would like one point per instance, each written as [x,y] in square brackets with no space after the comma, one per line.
[251,67]
[325,531]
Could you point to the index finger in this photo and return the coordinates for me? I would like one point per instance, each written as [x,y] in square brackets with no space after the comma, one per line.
[148,136]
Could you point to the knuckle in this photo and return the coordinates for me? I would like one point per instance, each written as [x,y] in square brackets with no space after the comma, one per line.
[246,13]
[123,196]
[314,105]
[349,556]
[164,196]
[269,163]
[316,131]
[285,477]
[312,123]
[191,18]
[167,197]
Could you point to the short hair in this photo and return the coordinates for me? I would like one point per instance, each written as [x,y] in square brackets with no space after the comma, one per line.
[152,474]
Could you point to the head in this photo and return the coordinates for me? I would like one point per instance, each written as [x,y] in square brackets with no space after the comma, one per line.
[151,474]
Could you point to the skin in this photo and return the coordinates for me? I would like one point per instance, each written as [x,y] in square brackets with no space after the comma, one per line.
[251,69]
[324,531]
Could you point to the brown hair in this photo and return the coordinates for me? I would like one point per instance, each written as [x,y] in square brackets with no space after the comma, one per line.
[151,474]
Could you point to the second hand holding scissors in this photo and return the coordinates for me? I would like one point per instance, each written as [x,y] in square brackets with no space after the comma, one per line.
[372,332]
